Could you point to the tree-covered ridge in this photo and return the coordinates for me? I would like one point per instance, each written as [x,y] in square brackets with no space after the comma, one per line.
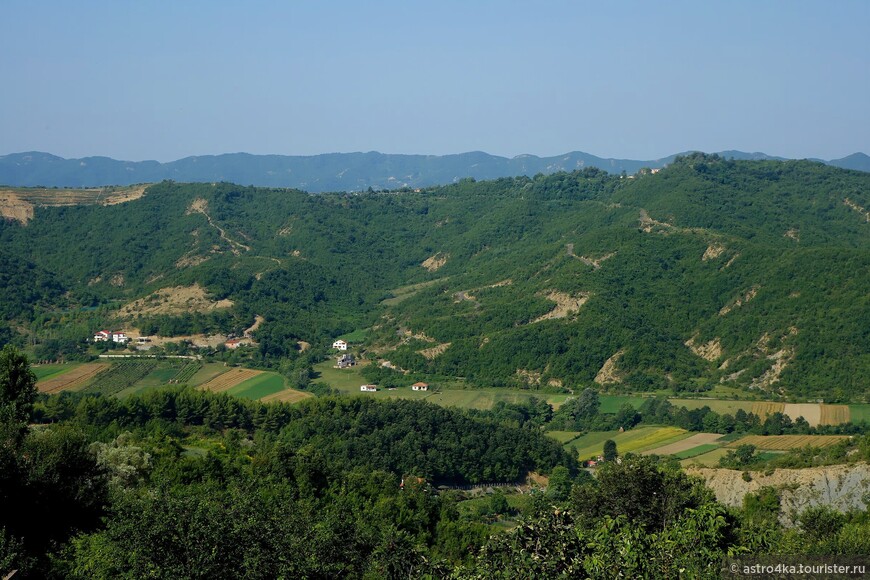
[748,272]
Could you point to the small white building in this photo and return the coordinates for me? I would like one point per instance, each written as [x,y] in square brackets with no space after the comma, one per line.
[339,345]
[368,388]
[109,335]
[420,387]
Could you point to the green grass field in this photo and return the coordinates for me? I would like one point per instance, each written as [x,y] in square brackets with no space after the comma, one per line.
[709,459]
[259,386]
[720,407]
[51,371]
[357,335]
[612,403]
[405,292]
[859,413]
[349,381]
[207,373]
[696,451]
[564,437]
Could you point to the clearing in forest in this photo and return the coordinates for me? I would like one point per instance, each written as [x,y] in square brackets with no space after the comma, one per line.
[175,300]
[71,380]
[228,380]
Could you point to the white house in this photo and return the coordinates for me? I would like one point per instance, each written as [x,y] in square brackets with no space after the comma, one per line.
[420,387]
[108,335]
[368,388]
[339,345]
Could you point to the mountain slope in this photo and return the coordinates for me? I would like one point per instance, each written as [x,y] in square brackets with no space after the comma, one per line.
[751,274]
[319,173]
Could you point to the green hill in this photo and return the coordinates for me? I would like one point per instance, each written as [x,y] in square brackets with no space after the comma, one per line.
[749,274]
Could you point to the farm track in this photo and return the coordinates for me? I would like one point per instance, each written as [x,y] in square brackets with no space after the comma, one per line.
[228,380]
[71,380]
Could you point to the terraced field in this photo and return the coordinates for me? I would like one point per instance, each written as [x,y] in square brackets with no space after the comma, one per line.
[228,380]
[786,442]
[71,380]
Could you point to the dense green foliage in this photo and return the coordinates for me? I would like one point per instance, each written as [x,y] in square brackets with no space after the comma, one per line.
[185,484]
[764,264]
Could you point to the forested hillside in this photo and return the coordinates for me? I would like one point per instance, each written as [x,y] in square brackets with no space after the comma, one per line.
[709,272]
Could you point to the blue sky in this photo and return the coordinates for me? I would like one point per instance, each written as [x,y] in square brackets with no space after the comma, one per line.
[164,80]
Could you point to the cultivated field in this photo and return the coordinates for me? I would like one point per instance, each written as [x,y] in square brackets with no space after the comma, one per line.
[635,440]
[262,385]
[287,396]
[835,414]
[859,413]
[709,459]
[228,380]
[764,409]
[685,444]
[72,379]
[786,442]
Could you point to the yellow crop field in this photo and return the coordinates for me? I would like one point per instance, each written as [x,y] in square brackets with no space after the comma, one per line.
[835,414]
[786,442]
[71,380]
[286,396]
[765,409]
[228,380]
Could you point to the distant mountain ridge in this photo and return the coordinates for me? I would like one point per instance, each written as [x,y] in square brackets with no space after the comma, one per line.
[327,172]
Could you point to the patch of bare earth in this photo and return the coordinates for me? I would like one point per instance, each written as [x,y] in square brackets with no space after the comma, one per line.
[175,300]
[712,252]
[433,263]
[258,321]
[595,263]
[124,195]
[793,234]
[609,373]
[431,353]
[649,225]
[852,205]
[731,261]
[303,346]
[200,205]
[507,282]
[710,351]
[740,301]
[812,412]
[12,207]
[566,304]
[529,377]
[781,359]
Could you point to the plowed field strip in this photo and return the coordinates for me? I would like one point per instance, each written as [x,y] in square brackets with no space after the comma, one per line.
[228,380]
[765,409]
[71,380]
[786,442]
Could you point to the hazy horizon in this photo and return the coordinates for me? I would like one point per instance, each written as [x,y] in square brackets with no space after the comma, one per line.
[631,80]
